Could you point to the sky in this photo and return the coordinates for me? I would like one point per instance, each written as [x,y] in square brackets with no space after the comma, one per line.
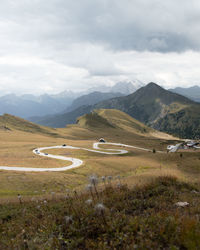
[48,46]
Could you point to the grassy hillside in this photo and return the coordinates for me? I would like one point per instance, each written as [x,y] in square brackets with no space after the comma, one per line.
[115,126]
[112,118]
[117,217]
[10,122]
[132,204]
[94,120]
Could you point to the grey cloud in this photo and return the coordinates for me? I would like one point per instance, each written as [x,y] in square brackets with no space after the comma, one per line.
[108,71]
[60,44]
[121,25]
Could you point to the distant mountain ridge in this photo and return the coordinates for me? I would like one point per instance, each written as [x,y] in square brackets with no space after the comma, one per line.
[28,105]
[61,120]
[161,109]
[123,87]
[91,99]
[192,92]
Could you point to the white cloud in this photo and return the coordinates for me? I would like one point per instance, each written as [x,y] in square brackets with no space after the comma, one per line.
[35,75]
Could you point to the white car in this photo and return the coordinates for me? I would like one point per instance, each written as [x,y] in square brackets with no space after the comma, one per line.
[170,147]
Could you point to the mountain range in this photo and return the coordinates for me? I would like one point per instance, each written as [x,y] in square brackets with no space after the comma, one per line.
[161,109]
[192,93]
[91,99]
[29,105]
[124,87]
[154,106]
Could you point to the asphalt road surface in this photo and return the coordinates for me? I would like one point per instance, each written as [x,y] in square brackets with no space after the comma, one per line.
[75,161]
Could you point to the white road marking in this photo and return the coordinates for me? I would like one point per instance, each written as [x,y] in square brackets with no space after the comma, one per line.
[75,161]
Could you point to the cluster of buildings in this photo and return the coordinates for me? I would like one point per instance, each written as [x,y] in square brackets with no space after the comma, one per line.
[185,145]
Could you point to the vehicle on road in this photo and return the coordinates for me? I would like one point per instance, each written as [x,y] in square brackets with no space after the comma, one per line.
[192,144]
[169,147]
[102,140]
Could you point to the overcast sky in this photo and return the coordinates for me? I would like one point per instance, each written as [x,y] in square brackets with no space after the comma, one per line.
[55,45]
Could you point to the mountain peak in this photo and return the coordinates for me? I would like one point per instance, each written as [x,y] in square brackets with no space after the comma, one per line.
[153,91]
[123,87]
[153,85]
[150,91]
[126,87]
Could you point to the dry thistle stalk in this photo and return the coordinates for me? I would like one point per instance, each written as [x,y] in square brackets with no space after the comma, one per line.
[88,202]
[19,198]
[94,181]
[100,210]
[89,188]
[68,220]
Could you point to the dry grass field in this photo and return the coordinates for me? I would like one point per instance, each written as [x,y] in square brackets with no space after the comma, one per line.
[135,205]
[116,217]
[136,167]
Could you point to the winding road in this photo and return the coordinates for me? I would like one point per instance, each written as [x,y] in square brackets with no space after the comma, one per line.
[75,161]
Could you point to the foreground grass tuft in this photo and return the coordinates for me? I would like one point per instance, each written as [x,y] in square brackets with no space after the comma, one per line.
[114,218]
